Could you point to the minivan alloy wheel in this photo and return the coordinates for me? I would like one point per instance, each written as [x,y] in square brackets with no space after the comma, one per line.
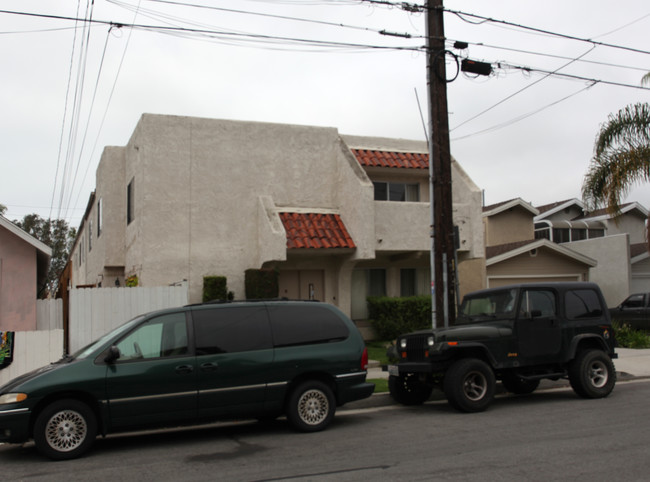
[311,406]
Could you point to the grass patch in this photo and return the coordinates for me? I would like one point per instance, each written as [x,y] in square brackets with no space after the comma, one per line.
[381,384]
[628,337]
[377,351]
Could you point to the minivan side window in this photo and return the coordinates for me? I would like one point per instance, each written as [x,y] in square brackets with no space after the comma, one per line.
[231,329]
[162,336]
[582,304]
[302,325]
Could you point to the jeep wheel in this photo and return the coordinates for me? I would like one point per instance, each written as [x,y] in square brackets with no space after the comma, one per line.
[311,406]
[519,386]
[469,385]
[592,374]
[408,389]
[65,429]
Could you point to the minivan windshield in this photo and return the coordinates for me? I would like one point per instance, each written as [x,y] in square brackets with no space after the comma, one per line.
[88,349]
[488,305]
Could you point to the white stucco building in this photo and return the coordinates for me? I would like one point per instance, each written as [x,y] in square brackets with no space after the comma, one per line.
[340,217]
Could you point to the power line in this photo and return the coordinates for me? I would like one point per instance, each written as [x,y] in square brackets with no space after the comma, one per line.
[460,15]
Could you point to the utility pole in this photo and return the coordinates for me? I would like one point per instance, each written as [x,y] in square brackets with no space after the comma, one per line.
[442,224]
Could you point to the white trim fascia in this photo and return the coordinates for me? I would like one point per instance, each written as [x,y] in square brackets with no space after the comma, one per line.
[639,257]
[542,243]
[511,204]
[567,204]
[625,210]
[12,228]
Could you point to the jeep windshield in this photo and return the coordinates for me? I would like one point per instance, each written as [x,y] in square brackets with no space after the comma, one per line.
[487,305]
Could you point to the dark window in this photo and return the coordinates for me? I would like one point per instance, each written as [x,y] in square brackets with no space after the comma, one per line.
[634,301]
[376,282]
[99,217]
[159,337]
[537,303]
[231,329]
[381,191]
[408,282]
[543,233]
[596,233]
[582,304]
[561,235]
[130,201]
[308,324]
[578,234]
[90,235]
[396,191]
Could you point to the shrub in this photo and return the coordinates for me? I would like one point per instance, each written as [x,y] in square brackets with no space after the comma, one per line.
[261,284]
[214,288]
[628,337]
[391,317]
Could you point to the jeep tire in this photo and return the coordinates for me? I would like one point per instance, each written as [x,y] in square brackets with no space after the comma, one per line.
[408,389]
[469,385]
[592,374]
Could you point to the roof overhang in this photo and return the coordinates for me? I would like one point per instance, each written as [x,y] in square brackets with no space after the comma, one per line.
[538,244]
[518,202]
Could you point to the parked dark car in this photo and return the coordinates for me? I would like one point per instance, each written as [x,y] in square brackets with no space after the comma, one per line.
[192,365]
[518,334]
[634,311]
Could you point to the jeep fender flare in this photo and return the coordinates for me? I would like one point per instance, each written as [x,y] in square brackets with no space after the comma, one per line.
[590,340]
[471,350]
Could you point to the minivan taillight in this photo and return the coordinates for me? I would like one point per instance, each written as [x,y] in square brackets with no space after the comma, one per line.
[364,359]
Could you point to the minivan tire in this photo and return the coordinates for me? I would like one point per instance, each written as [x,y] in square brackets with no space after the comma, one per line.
[311,406]
[65,429]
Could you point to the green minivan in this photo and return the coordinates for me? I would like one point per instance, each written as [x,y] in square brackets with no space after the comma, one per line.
[192,365]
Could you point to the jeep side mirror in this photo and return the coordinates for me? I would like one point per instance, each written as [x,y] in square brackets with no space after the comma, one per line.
[112,354]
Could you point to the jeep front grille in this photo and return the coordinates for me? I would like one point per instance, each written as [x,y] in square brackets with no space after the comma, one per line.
[417,347]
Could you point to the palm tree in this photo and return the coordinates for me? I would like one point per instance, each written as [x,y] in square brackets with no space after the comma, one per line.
[622,157]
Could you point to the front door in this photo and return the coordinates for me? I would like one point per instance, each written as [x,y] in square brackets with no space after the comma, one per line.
[538,329]
[306,284]
[154,379]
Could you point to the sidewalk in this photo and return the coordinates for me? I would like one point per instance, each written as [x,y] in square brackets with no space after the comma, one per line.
[630,363]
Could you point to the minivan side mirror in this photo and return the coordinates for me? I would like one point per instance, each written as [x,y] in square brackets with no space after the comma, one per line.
[112,354]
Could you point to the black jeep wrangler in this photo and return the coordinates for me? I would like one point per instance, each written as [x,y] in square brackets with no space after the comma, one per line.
[519,334]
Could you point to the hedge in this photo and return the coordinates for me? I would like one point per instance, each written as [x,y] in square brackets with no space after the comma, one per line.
[391,317]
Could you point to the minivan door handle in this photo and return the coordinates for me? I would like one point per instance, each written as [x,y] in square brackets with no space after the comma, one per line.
[184,369]
[209,367]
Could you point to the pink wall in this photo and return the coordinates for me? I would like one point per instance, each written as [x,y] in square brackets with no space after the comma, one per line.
[17,283]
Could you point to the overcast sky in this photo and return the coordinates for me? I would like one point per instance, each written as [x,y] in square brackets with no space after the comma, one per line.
[67,93]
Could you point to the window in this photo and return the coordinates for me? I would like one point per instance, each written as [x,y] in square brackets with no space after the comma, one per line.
[561,235]
[308,324]
[90,235]
[99,217]
[582,304]
[231,329]
[408,282]
[596,233]
[163,336]
[395,191]
[535,303]
[376,282]
[634,301]
[130,200]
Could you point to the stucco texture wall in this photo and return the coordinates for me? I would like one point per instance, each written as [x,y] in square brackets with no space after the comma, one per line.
[17,283]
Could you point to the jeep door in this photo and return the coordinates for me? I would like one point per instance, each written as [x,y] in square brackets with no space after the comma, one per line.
[234,358]
[537,326]
[153,382]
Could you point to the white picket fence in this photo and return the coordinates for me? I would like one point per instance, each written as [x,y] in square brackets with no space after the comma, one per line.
[95,311]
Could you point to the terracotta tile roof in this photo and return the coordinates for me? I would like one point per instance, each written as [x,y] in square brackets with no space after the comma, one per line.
[310,230]
[403,160]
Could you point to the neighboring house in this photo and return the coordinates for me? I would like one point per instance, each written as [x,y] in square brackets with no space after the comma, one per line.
[513,255]
[340,217]
[640,261]
[576,245]
[24,263]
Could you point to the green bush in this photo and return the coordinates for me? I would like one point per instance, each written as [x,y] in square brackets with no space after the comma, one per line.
[628,337]
[215,288]
[261,284]
[391,317]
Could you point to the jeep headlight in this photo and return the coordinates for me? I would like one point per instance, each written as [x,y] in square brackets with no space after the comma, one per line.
[12,398]
[402,343]
[431,340]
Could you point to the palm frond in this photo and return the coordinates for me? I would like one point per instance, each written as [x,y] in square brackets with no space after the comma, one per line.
[628,127]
